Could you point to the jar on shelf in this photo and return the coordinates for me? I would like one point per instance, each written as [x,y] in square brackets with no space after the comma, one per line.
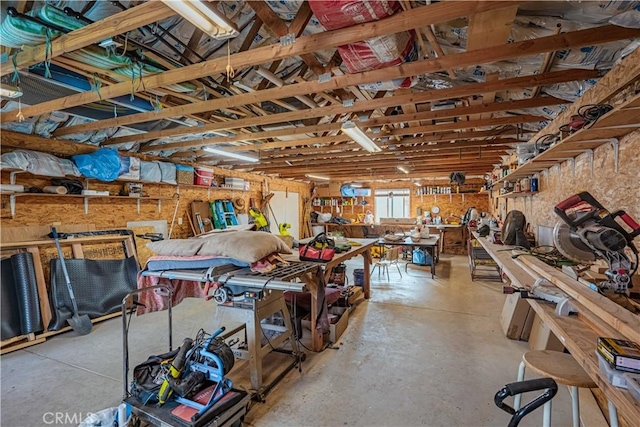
[525,184]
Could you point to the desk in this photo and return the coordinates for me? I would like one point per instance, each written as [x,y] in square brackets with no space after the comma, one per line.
[364,249]
[578,333]
[430,244]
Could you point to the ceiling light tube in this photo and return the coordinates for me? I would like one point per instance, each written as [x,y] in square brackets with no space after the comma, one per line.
[231,154]
[403,169]
[354,132]
[354,185]
[417,184]
[320,177]
[205,17]
[10,91]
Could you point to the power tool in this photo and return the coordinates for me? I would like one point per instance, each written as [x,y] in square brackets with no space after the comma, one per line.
[588,231]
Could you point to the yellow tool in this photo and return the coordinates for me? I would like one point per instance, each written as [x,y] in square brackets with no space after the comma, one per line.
[175,370]
[258,217]
[284,227]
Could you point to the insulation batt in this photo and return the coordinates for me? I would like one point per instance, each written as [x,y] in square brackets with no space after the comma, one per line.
[375,53]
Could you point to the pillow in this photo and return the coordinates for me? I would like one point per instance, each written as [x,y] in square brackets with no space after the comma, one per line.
[176,247]
[247,246]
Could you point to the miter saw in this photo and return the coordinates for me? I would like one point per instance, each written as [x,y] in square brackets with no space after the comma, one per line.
[588,232]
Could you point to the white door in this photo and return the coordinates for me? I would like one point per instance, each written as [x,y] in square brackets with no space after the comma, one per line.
[285,207]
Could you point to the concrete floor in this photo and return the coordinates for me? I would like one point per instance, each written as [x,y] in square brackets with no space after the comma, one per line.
[421,351]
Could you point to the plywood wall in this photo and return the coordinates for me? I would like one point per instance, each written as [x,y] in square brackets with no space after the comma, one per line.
[115,213]
[614,190]
[451,206]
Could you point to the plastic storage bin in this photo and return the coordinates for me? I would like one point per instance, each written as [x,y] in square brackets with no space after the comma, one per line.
[204,176]
[633,384]
[615,378]
[184,174]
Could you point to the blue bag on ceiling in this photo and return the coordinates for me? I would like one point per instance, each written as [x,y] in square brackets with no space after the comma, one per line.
[103,164]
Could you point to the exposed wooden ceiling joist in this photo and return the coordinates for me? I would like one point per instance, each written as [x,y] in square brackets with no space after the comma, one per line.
[454,92]
[402,21]
[120,23]
[513,50]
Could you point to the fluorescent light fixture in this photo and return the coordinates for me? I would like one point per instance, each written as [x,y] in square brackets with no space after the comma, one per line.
[354,132]
[403,169]
[320,177]
[205,17]
[238,156]
[9,91]
[417,184]
[354,185]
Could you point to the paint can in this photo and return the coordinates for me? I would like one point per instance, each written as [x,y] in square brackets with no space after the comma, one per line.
[525,183]
[534,184]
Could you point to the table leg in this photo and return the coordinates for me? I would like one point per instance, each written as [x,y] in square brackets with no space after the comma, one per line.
[316,335]
[367,273]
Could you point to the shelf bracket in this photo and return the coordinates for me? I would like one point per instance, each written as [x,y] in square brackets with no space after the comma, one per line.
[138,204]
[12,177]
[590,152]
[615,143]
[86,206]
[450,198]
[463,198]
[573,166]
[12,204]
[159,206]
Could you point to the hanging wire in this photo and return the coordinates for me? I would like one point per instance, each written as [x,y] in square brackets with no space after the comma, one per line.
[96,85]
[48,54]
[115,111]
[230,71]
[124,49]
[16,75]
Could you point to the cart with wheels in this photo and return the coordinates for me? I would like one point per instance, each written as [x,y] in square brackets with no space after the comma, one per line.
[217,404]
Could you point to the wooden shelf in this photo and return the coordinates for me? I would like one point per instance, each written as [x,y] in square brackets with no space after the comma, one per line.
[617,123]
[518,194]
[14,196]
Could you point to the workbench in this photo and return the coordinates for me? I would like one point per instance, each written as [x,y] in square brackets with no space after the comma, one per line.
[597,316]
[365,250]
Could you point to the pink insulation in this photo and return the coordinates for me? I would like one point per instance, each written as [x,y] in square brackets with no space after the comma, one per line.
[375,53]
[335,14]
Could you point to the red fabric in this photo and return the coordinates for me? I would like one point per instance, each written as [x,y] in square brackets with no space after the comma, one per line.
[335,14]
[158,299]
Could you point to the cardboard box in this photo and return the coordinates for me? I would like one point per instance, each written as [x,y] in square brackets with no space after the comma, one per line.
[357,296]
[541,337]
[513,319]
[334,189]
[335,329]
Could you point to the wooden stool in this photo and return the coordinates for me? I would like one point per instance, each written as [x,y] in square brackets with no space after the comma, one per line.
[564,369]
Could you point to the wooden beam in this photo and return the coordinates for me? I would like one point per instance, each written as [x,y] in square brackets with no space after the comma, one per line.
[302,88]
[402,21]
[490,29]
[119,23]
[546,63]
[314,140]
[430,115]
[513,50]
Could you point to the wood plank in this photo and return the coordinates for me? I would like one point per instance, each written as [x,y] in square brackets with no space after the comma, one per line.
[119,23]
[41,285]
[78,253]
[613,314]
[402,21]
[581,341]
[20,346]
[490,28]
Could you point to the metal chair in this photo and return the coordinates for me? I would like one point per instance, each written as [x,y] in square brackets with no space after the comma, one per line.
[390,257]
